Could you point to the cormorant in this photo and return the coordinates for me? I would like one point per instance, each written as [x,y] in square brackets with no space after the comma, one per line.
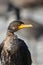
[14,51]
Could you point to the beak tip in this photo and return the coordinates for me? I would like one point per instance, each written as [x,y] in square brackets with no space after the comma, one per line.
[30,25]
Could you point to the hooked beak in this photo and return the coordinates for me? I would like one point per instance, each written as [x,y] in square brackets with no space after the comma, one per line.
[25,26]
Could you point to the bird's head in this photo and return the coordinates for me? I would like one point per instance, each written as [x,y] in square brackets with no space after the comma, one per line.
[17,25]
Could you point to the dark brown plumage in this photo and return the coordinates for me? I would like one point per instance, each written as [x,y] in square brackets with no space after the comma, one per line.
[14,51]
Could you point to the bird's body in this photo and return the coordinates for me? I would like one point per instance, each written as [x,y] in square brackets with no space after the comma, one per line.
[14,51]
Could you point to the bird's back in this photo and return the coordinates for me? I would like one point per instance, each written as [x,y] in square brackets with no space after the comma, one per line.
[22,56]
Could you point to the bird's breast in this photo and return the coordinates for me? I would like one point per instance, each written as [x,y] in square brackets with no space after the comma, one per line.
[10,45]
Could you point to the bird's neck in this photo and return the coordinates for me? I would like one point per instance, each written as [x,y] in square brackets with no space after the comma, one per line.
[10,34]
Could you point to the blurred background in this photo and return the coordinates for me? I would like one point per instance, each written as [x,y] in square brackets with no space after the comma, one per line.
[28,11]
